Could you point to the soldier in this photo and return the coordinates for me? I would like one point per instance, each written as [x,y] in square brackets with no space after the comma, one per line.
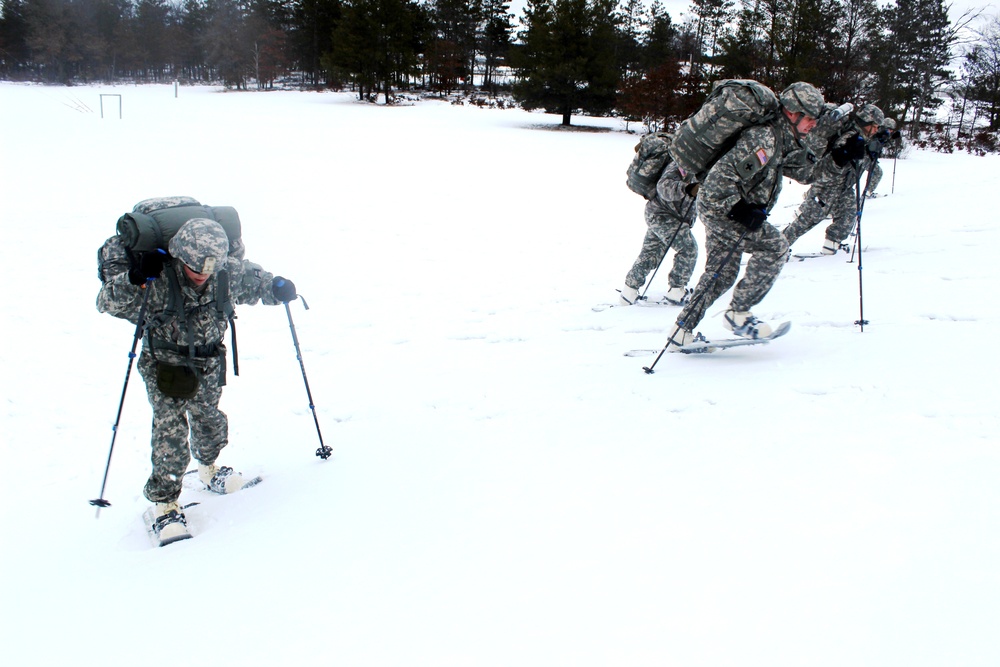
[734,202]
[669,216]
[183,355]
[834,192]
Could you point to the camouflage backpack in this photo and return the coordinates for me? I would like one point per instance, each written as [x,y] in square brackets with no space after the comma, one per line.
[150,226]
[731,107]
[651,157]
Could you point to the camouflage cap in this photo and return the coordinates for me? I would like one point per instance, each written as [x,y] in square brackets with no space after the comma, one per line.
[156,203]
[201,244]
[802,97]
[869,114]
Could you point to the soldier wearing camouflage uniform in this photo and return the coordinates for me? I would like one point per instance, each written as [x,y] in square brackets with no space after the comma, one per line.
[734,202]
[834,194]
[183,355]
[669,215]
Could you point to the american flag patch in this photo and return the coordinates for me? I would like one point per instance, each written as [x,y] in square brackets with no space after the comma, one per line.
[762,156]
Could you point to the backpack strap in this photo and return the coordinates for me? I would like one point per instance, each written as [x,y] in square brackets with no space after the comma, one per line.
[174,309]
[764,97]
[227,311]
[178,299]
[222,303]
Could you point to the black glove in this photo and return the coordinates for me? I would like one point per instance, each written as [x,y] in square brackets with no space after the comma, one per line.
[853,149]
[875,147]
[148,266]
[283,289]
[751,216]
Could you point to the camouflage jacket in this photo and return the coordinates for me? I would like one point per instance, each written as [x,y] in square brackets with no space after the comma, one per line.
[671,197]
[198,320]
[752,170]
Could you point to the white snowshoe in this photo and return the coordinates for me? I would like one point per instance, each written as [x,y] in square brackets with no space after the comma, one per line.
[223,479]
[166,523]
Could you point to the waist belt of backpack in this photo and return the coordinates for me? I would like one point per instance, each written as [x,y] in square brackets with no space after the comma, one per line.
[202,351]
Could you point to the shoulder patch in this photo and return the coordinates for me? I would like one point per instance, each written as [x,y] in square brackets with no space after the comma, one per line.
[753,162]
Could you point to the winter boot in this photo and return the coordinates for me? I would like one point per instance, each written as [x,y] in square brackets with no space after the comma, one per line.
[220,480]
[745,325]
[682,337]
[830,247]
[169,524]
[629,296]
[678,296]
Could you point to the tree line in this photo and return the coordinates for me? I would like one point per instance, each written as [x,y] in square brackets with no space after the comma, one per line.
[373,45]
[624,57]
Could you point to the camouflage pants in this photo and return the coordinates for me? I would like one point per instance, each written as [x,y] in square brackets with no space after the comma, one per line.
[873,179]
[174,419]
[767,248]
[661,229]
[842,206]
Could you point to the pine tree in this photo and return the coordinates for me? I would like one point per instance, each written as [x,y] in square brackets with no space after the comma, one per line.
[566,61]
[659,44]
[313,24]
[15,56]
[630,35]
[804,56]
[189,51]
[451,52]
[494,39]
[848,75]
[151,37]
[748,53]
[915,62]
[376,43]
[224,41]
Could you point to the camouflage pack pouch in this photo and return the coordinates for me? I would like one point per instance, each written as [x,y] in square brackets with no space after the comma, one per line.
[176,381]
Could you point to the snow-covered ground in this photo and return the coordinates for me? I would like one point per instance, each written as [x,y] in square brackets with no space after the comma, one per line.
[506,488]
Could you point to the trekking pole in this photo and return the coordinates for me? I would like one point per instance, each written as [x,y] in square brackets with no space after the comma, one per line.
[861,292]
[323,452]
[860,206]
[857,244]
[100,502]
[700,296]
